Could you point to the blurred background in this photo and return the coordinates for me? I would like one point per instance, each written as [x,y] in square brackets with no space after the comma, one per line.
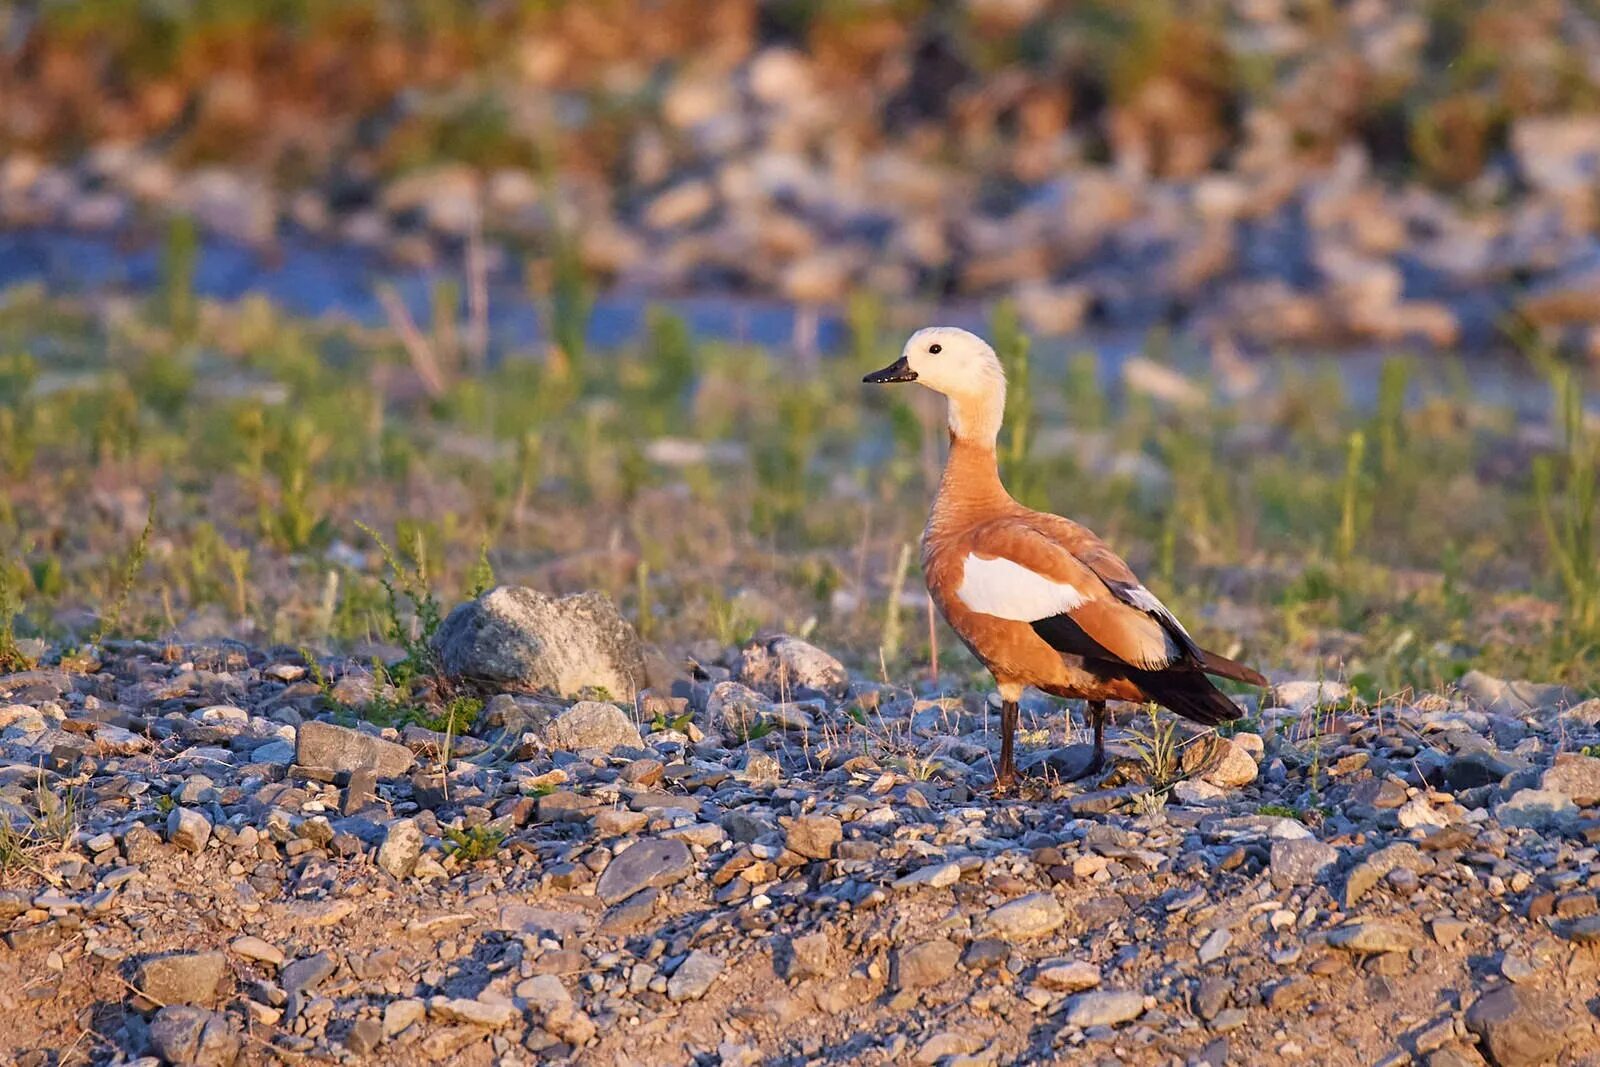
[1300,300]
[1323,173]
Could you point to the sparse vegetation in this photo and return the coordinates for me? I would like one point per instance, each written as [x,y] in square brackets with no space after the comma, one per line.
[1387,528]
[474,843]
[1157,749]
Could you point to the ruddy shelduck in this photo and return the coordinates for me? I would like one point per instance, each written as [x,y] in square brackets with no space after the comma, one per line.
[1040,599]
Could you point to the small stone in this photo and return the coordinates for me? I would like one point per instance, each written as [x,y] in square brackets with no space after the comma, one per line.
[804,957]
[1302,696]
[253,948]
[364,1037]
[925,964]
[933,876]
[1370,871]
[1106,1007]
[946,1046]
[307,974]
[340,749]
[592,724]
[183,978]
[188,829]
[1229,766]
[1069,976]
[570,1025]
[1418,811]
[398,1015]
[1584,931]
[544,992]
[1537,808]
[1517,1028]
[401,848]
[1372,935]
[1212,997]
[1300,863]
[1447,930]
[813,836]
[194,1036]
[1034,915]
[1215,945]
[654,863]
[693,977]
[490,1014]
[781,665]
[1574,776]
[360,793]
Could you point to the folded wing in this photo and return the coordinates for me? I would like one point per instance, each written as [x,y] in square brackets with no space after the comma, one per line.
[1092,606]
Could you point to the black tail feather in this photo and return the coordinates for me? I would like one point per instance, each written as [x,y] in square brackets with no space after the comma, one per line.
[1188,693]
[1223,667]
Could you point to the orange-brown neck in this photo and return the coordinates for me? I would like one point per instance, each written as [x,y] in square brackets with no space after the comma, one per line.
[970,490]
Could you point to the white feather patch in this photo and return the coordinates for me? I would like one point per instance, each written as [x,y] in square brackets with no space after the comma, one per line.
[1008,590]
[1145,600]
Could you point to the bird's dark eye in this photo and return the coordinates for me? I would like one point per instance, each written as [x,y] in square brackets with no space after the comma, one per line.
[934,350]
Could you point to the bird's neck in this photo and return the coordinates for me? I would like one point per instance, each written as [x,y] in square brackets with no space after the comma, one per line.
[971,487]
[976,417]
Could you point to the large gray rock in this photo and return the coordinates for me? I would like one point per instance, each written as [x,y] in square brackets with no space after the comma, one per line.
[925,964]
[517,637]
[194,1036]
[337,748]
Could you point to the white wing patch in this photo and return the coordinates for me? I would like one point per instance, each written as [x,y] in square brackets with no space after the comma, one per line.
[1145,600]
[1008,590]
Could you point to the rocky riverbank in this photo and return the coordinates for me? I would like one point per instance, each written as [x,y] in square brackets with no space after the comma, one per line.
[1254,170]
[762,859]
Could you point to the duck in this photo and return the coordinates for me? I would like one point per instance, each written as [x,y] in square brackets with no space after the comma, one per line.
[1039,599]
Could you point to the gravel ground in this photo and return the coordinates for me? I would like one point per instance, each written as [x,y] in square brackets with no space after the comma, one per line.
[216,862]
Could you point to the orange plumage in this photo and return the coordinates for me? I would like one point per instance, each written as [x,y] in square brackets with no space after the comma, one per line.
[1038,598]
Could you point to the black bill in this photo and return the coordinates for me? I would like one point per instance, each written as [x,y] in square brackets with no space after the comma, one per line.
[898,371]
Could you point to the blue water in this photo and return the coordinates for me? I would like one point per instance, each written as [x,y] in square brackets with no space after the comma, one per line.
[315,278]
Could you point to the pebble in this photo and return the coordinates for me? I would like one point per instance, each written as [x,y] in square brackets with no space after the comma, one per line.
[194,1036]
[813,836]
[655,863]
[1104,1008]
[1031,916]
[340,749]
[254,948]
[1373,935]
[183,978]
[694,977]
[188,829]
[1517,1028]
[925,964]
[401,848]
[490,1014]
[1068,976]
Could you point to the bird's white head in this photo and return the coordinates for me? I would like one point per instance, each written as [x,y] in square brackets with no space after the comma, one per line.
[962,366]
